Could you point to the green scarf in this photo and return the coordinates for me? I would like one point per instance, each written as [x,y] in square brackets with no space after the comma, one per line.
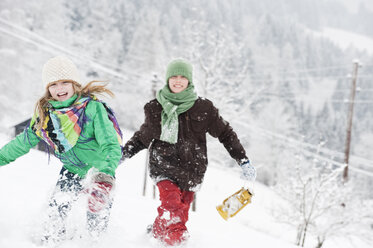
[174,104]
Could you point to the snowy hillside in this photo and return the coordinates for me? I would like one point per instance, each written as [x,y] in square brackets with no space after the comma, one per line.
[346,39]
[280,73]
[253,59]
[26,185]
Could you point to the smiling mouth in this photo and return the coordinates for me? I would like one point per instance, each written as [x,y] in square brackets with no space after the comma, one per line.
[62,94]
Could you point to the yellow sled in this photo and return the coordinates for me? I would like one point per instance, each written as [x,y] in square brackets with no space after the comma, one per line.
[235,203]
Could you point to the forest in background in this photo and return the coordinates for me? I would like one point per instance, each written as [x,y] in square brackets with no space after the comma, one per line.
[283,88]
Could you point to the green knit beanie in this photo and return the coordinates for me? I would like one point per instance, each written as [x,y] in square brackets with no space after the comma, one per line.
[180,67]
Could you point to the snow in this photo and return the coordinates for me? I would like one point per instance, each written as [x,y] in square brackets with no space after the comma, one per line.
[253,62]
[345,39]
[27,183]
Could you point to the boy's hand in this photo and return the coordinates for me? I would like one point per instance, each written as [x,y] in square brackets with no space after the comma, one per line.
[248,171]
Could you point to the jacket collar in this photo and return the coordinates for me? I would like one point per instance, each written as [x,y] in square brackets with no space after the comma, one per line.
[63,104]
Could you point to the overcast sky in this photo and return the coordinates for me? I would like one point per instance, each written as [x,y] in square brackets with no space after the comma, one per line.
[354,4]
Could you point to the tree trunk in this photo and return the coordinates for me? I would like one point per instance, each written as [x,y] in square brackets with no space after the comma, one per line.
[299,235]
[304,234]
[320,242]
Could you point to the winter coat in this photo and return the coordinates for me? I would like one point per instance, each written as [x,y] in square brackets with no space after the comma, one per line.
[96,147]
[185,162]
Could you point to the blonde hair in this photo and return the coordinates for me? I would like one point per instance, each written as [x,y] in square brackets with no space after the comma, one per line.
[89,90]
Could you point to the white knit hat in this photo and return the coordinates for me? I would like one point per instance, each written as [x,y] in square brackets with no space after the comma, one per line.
[59,68]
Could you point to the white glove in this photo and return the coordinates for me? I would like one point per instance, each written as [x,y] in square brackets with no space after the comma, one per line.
[248,171]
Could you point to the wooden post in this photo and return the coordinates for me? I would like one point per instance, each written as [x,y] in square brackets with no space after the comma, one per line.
[145,175]
[154,90]
[349,121]
[154,82]
[194,207]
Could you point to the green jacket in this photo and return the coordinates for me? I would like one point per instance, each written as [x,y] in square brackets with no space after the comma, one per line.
[96,147]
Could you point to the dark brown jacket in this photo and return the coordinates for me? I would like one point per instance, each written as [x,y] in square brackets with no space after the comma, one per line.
[185,162]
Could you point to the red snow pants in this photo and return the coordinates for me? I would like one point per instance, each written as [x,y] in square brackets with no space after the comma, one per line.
[169,226]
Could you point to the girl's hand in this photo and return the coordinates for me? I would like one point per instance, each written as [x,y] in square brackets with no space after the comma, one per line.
[99,197]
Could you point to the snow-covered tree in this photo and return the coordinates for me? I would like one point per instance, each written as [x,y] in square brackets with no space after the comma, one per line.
[319,205]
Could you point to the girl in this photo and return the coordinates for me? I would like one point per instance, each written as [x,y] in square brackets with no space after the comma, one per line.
[174,131]
[83,133]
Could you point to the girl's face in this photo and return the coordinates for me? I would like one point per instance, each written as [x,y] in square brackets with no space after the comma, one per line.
[61,90]
[177,83]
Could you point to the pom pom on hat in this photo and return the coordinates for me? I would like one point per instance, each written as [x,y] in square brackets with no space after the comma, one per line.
[180,67]
[59,68]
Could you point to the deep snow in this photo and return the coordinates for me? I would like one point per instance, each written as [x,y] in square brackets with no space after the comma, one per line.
[26,184]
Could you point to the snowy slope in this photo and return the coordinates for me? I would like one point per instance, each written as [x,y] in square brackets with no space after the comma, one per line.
[26,184]
[345,39]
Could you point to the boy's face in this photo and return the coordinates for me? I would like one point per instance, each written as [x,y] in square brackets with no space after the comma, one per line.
[61,90]
[177,83]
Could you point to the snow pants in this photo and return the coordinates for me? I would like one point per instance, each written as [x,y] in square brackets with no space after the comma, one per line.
[67,191]
[169,226]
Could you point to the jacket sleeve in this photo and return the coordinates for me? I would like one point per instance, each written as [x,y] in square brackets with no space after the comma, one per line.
[142,138]
[19,146]
[107,139]
[219,128]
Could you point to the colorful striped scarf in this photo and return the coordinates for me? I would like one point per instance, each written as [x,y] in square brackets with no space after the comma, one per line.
[62,127]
